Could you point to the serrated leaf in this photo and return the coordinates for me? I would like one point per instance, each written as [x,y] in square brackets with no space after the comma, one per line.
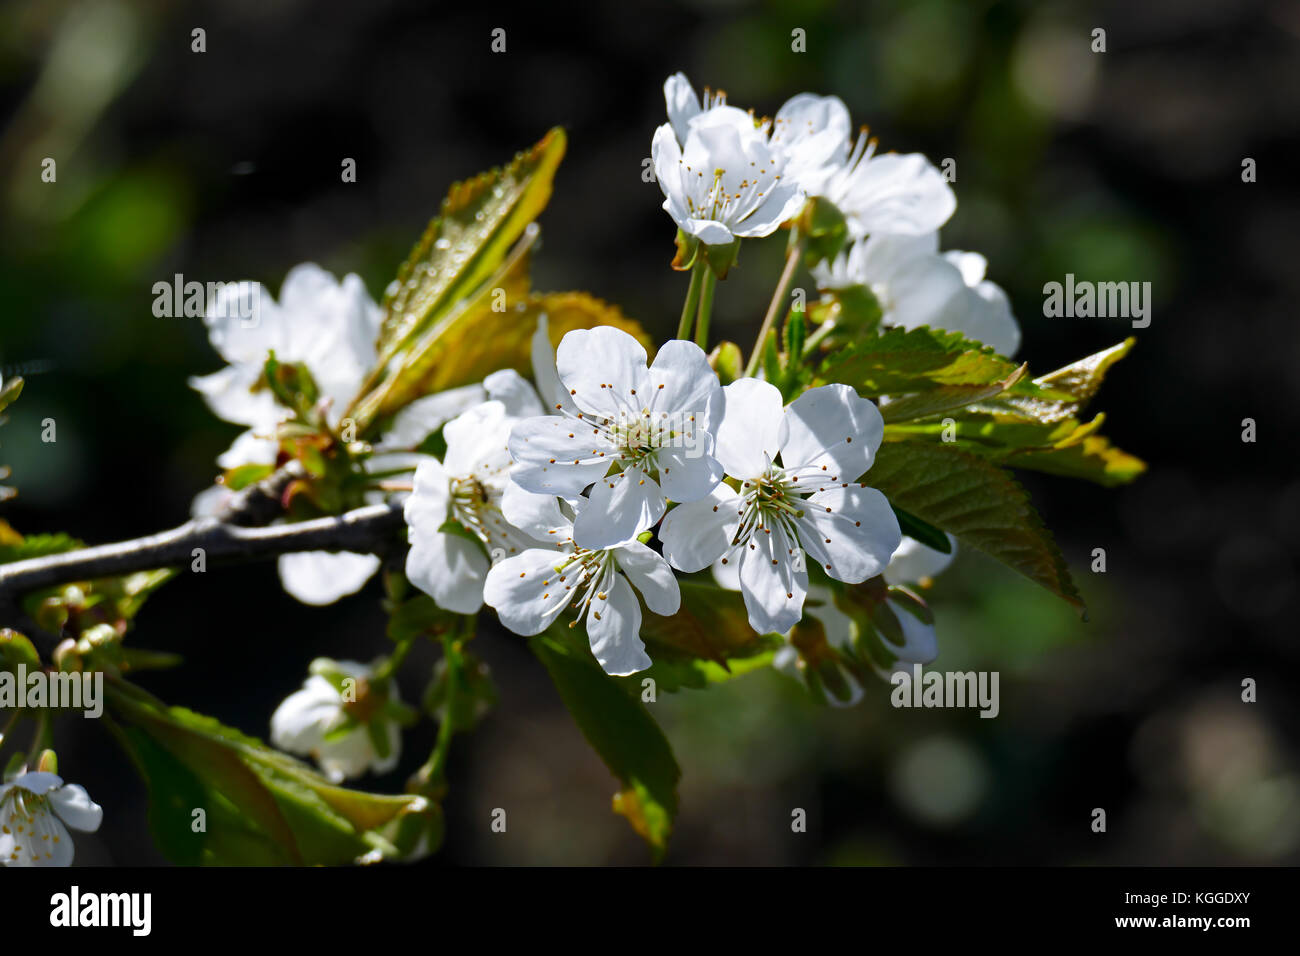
[480,220]
[902,361]
[623,733]
[1057,395]
[1093,459]
[1069,448]
[945,399]
[977,501]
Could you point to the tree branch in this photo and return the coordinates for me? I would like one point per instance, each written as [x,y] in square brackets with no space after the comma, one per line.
[371,529]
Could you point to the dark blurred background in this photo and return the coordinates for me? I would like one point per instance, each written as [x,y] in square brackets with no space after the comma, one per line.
[1123,165]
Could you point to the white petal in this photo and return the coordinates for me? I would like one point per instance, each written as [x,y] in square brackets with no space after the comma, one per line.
[687,474]
[682,104]
[861,527]
[514,392]
[913,561]
[752,428]
[708,231]
[209,502]
[244,323]
[726,570]
[322,577]
[897,194]
[229,394]
[781,203]
[250,448]
[614,630]
[544,373]
[449,568]
[682,384]
[651,575]
[773,590]
[696,534]
[604,370]
[527,592]
[477,443]
[621,507]
[558,456]
[537,516]
[39,782]
[424,416]
[425,509]
[831,426]
[75,808]
[920,643]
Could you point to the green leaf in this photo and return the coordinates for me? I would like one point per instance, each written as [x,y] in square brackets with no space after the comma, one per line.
[480,220]
[978,502]
[1057,395]
[9,391]
[15,547]
[262,807]
[901,361]
[1068,447]
[623,733]
[922,531]
[945,399]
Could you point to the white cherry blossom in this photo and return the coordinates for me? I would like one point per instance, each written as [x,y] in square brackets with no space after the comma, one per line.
[531,590]
[310,721]
[36,810]
[723,180]
[637,435]
[465,490]
[916,285]
[799,499]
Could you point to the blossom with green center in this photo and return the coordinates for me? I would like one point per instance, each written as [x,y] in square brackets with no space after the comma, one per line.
[797,499]
[638,435]
[531,590]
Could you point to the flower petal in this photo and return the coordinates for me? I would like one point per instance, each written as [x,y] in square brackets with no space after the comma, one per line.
[538,516]
[831,428]
[614,630]
[687,473]
[913,561]
[514,392]
[696,534]
[424,416]
[851,532]
[75,808]
[604,370]
[772,587]
[682,103]
[752,428]
[621,507]
[322,577]
[527,592]
[449,568]
[555,456]
[651,575]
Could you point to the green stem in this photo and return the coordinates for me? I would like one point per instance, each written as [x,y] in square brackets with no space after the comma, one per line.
[390,665]
[434,770]
[792,256]
[692,297]
[10,724]
[706,309]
